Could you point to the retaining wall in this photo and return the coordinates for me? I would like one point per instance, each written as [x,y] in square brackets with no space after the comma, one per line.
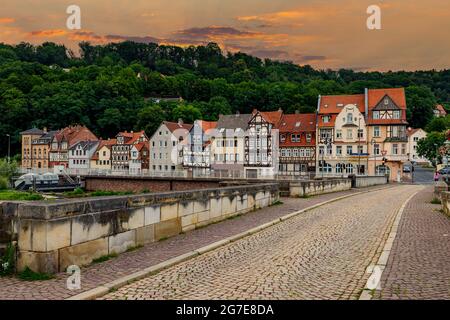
[315,187]
[53,236]
[362,182]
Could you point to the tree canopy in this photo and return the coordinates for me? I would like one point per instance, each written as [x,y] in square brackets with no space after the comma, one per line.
[109,87]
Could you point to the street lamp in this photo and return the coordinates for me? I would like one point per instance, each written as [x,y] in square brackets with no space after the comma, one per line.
[327,142]
[9,147]
[372,142]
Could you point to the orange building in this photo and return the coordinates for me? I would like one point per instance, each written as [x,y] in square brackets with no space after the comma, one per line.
[35,148]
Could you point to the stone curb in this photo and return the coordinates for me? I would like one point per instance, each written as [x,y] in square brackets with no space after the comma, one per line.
[366,294]
[123,281]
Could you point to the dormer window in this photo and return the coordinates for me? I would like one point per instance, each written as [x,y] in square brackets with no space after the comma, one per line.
[282,138]
[297,124]
[326,119]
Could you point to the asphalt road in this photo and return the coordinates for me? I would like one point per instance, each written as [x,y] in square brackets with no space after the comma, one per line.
[423,176]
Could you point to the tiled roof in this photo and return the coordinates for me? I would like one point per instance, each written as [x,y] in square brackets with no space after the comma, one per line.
[85,145]
[306,121]
[172,126]
[441,109]
[396,94]
[207,125]
[334,104]
[273,117]
[75,134]
[322,124]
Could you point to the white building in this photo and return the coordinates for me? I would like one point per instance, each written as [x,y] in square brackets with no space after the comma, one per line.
[414,136]
[227,148]
[166,148]
[80,154]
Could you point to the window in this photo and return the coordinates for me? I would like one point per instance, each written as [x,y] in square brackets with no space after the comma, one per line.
[376,131]
[326,119]
[396,114]
[360,150]
[376,149]
[403,148]
[349,150]
[339,150]
[321,150]
[395,148]
[416,139]
[295,138]
[340,168]
[308,137]
[349,117]
[338,134]
[360,133]
[325,134]
[349,168]
[376,114]
[329,150]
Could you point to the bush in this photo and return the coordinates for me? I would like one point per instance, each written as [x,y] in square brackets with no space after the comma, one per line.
[4,183]
[7,262]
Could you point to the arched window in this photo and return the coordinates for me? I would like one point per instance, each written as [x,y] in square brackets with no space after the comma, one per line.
[340,168]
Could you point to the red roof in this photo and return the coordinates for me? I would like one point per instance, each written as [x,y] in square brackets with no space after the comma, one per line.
[396,94]
[441,109]
[334,104]
[207,125]
[273,117]
[297,122]
[172,126]
[331,123]
[75,134]
[132,137]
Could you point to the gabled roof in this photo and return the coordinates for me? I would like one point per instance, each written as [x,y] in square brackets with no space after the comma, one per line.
[298,122]
[335,103]
[273,117]
[396,94]
[74,134]
[441,109]
[172,126]
[131,137]
[234,121]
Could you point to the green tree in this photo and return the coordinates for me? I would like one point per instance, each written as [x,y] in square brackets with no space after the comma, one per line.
[110,122]
[188,113]
[150,118]
[421,103]
[429,146]
[215,107]
[439,124]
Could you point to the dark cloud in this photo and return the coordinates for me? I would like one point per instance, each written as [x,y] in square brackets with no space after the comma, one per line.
[302,58]
[212,32]
[268,53]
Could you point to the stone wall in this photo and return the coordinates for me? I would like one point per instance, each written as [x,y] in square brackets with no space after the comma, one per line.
[53,236]
[152,184]
[362,182]
[315,187]
[445,200]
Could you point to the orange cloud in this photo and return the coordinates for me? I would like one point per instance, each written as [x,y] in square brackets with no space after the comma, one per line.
[7,20]
[48,33]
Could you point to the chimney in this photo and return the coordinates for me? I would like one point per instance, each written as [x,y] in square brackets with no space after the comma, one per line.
[297,112]
[45,129]
[280,110]
[238,113]
[132,131]
[180,122]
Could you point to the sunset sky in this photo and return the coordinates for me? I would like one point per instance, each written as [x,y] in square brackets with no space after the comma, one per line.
[325,34]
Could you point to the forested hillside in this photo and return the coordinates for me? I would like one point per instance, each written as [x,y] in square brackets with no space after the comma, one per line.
[108,88]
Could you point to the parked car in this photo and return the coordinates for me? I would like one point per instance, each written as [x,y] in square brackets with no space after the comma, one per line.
[445,170]
[406,169]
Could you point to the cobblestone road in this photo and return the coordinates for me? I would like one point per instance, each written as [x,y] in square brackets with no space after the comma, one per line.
[152,254]
[419,263]
[321,254]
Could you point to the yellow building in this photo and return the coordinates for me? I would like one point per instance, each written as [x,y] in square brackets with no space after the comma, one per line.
[35,148]
[102,156]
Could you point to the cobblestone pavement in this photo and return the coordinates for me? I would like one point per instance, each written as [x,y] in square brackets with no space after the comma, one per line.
[419,263]
[152,254]
[320,254]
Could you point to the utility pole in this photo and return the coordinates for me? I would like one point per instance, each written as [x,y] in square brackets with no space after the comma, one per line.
[359,145]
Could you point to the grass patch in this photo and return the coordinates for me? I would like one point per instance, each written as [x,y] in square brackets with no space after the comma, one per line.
[305,196]
[105,258]
[277,203]
[435,201]
[30,275]
[131,249]
[13,195]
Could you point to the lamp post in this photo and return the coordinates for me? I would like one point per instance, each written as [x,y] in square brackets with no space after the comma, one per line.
[327,141]
[372,142]
[9,147]
[359,146]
